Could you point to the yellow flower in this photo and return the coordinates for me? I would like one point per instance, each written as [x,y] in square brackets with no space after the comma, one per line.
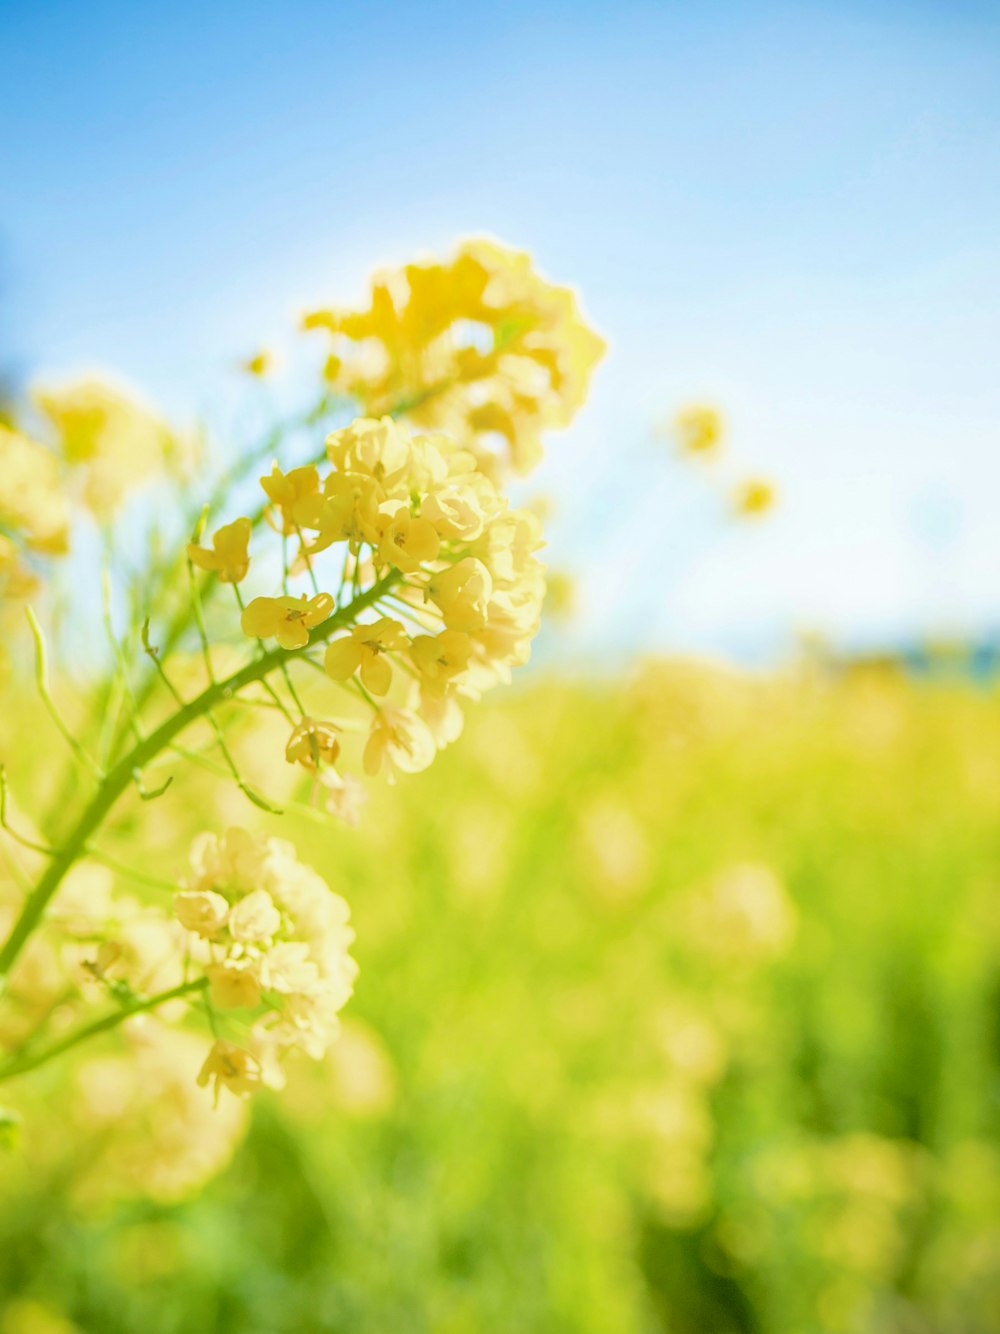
[202,911]
[230,1067]
[480,346]
[313,743]
[349,512]
[399,738]
[254,917]
[462,592]
[232,986]
[408,541]
[364,648]
[288,619]
[439,658]
[377,448]
[229,557]
[699,429]
[115,441]
[288,968]
[259,364]
[295,494]
[31,503]
[345,796]
[754,497]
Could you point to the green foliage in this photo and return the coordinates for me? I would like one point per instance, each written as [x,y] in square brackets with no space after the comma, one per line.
[677,1014]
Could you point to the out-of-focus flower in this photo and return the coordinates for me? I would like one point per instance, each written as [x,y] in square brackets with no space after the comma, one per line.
[400,739]
[480,346]
[262,363]
[753,497]
[743,914]
[345,795]
[699,429]
[313,743]
[32,506]
[281,952]
[230,1067]
[114,441]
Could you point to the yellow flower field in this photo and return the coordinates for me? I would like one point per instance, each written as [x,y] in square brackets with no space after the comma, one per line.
[676,1010]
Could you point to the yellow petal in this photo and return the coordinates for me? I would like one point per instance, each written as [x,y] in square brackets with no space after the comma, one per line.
[376,673]
[343,658]
[260,618]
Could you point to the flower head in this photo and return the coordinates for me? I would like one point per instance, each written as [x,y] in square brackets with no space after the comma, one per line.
[480,346]
[754,497]
[313,743]
[271,938]
[288,619]
[363,650]
[229,557]
[699,429]
[231,1067]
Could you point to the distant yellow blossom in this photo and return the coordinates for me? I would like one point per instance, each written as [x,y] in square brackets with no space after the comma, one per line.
[754,497]
[260,364]
[32,506]
[113,440]
[699,429]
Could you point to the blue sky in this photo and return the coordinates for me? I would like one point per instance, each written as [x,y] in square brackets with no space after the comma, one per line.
[789,209]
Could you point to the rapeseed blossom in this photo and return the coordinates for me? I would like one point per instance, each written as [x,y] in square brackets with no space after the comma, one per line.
[447,571]
[270,938]
[479,346]
[228,557]
[699,429]
[113,441]
[753,497]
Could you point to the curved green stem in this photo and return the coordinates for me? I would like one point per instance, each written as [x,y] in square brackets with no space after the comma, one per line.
[122,774]
[32,1060]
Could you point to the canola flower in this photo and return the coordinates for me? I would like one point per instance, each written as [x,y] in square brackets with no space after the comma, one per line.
[754,497]
[107,436]
[699,430]
[390,565]
[271,940]
[479,346]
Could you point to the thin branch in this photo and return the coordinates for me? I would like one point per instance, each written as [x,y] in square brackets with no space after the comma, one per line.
[19,838]
[43,690]
[31,1061]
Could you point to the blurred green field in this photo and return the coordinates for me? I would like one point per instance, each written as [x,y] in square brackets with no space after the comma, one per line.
[677,1014]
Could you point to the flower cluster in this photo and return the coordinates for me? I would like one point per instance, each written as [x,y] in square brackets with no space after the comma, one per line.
[480,347]
[34,515]
[272,940]
[447,568]
[114,442]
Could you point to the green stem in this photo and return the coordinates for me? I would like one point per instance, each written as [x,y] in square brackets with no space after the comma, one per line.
[32,1060]
[122,774]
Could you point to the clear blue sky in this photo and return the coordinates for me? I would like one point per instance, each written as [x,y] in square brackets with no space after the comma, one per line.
[791,209]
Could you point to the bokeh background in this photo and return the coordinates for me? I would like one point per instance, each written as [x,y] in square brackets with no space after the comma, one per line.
[680,972]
